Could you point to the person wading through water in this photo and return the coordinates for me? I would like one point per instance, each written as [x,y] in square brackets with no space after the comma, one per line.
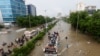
[66,39]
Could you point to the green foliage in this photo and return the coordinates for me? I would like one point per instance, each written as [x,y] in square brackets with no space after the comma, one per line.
[25,50]
[86,23]
[66,19]
[27,21]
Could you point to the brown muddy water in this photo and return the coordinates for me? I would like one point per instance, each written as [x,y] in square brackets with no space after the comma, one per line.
[78,43]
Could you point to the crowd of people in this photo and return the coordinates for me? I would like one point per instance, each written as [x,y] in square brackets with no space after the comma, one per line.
[7,49]
[52,37]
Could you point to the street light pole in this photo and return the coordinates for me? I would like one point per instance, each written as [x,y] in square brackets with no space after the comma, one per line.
[29,22]
[45,21]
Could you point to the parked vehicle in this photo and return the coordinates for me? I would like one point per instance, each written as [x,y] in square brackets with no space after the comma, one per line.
[30,33]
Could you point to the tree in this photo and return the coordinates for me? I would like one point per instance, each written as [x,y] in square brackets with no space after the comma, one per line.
[86,23]
[26,21]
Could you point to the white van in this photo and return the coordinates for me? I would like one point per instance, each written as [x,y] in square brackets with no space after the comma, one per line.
[7,25]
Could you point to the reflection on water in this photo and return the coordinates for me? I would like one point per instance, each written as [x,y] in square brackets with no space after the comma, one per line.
[82,45]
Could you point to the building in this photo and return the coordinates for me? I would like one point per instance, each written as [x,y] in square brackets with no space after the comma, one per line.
[11,9]
[1,18]
[80,6]
[90,9]
[31,10]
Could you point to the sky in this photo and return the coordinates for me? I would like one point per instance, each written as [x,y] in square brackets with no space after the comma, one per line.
[53,7]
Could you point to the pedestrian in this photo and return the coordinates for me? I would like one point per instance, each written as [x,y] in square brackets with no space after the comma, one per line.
[66,37]
[48,33]
[9,51]
[23,36]
[22,41]
[21,44]
[31,37]
[3,53]
[4,43]
[49,37]
[12,44]
[26,38]
[19,40]
[1,49]
[9,46]
[16,40]
[57,33]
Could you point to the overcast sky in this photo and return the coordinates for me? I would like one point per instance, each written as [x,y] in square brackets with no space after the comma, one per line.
[53,7]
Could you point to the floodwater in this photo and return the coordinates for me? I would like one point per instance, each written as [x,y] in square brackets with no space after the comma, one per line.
[78,43]
[10,37]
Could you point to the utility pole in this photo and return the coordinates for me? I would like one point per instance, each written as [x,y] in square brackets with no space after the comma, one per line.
[29,22]
[45,21]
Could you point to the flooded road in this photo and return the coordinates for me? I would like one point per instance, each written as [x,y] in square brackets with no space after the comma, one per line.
[10,37]
[15,33]
[78,44]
